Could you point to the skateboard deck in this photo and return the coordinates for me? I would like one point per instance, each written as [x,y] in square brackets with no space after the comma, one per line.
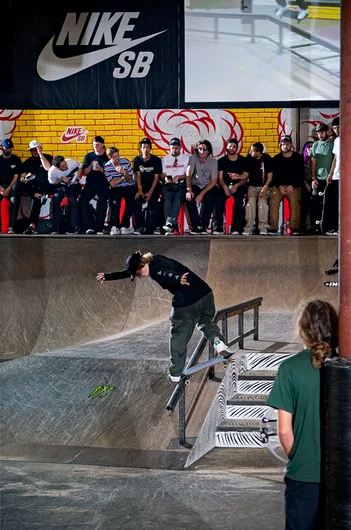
[292,15]
[322,222]
[206,364]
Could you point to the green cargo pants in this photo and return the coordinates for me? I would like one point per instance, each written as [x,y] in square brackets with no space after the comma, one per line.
[183,322]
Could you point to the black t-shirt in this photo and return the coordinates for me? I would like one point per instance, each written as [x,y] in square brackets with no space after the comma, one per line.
[33,165]
[148,169]
[101,160]
[167,272]
[231,166]
[9,167]
[258,169]
[288,171]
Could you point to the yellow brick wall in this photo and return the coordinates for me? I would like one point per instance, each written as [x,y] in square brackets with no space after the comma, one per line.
[120,128]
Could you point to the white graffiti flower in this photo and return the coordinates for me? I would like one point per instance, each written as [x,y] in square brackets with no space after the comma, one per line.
[191,125]
[8,122]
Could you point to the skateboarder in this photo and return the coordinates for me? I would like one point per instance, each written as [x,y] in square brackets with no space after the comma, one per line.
[284,8]
[192,303]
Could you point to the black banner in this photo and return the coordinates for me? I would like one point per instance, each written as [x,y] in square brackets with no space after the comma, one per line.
[103,55]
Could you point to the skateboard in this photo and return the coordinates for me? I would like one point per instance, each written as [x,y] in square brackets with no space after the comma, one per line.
[269,436]
[322,221]
[186,375]
[333,270]
[292,15]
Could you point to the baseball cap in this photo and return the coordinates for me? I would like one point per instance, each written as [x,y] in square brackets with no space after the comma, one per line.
[336,121]
[285,138]
[321,127]
[132,264]
[6,143]
[175,141]
[145,141]
[33,144]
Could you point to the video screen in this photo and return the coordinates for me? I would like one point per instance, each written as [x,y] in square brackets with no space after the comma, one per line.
[254,51]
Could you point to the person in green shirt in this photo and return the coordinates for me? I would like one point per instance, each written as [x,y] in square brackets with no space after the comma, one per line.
[321,162]
[296,396]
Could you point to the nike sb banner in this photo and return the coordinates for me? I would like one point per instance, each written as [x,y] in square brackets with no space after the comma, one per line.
[101,55]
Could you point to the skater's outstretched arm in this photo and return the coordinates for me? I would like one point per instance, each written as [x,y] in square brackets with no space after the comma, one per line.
[109,276]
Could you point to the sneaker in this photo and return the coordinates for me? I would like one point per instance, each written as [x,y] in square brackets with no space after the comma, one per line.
[106,231]
[174,378]
[272,232]
[126,231]
[170,233]
[221,348]
[303,14]
[262,231]
[100,233]
[167,227]
[196,231]
[30,231]
[53,233]
[157,231]
[218,232]
[74,230]
[137,231]
[115,231]
[235,233]
[247,232]
[296,232]
[281,11]
[10,230]
[89,231]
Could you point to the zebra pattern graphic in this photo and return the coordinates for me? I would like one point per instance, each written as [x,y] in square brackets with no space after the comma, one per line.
[238,439]
[254,387]
[246,412]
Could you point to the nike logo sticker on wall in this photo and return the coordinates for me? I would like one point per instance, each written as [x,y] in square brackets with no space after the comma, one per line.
[53,68]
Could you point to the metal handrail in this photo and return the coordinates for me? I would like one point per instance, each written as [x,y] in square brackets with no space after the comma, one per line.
[222,315]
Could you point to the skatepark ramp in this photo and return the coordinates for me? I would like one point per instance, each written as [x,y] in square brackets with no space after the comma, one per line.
[50,299]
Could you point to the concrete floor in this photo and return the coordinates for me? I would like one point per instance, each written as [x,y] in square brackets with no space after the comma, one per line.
[56,496]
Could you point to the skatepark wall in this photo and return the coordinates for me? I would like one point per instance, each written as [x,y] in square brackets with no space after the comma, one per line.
[50,299]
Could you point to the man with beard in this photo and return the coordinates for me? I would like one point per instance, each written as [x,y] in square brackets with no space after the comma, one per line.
[10,170]
[201,181]
[231,179]
[288,179]
[321,161]
[173,166]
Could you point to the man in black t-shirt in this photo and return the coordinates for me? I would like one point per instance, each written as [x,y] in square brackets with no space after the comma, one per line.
[95,185]
[231,179]
[288,179]
[34,182]
[259,167]
[148,171]
[192,304]
[10,170]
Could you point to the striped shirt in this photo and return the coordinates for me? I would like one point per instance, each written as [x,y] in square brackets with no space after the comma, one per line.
[112,173]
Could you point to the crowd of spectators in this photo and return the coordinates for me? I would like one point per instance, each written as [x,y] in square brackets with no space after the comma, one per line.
[109,194]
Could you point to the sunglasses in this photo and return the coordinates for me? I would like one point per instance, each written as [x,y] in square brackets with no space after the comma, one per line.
[202,148]
[175,163]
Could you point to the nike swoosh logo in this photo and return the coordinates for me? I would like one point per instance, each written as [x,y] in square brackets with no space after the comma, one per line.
[53,68]
[67,137]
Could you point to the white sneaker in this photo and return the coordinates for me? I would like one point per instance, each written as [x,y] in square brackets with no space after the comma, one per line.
[303,14]
[220,347]
[281,11]
[235,233]
[89,231]
[246,232]
[167,227]
[157,232]
[218,232]
[173,378]
[126,231]
[115,231]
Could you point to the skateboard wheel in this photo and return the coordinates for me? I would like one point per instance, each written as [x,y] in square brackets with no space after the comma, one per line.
[187,382]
